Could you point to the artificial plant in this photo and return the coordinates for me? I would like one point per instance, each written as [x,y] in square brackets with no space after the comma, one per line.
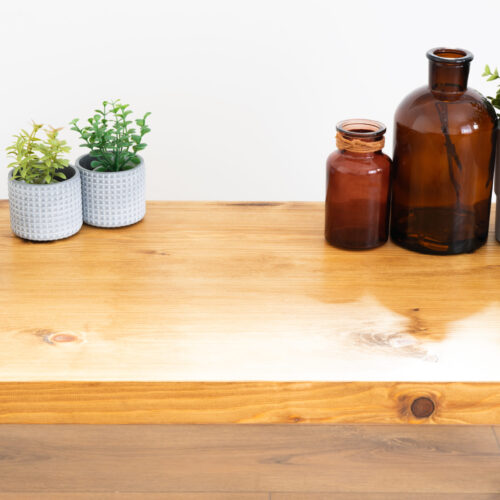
[493,75]
[36,160]
[111,138]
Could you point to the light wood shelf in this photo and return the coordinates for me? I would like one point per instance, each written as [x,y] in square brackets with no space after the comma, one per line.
[241,313]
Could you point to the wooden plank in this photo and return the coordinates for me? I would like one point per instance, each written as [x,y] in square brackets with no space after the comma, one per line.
[239,293]
[383,496]
[137,496]
[247,496]
[196,459]
[231,292]
[496,432]
[244,403]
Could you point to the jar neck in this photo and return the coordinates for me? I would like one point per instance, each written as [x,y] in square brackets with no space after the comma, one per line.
[445,77]
[449,70]
[356,153]
[358,156]
[360,138]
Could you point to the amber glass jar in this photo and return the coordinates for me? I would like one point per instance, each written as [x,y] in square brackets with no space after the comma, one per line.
[497,188]
[358,182]
[444,151]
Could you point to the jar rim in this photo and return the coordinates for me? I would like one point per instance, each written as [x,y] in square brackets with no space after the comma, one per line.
[361,127]
[449,56]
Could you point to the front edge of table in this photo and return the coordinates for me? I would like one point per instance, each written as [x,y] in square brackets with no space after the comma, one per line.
[249,403]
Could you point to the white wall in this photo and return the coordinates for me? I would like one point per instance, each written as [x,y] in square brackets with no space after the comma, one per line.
[244,94]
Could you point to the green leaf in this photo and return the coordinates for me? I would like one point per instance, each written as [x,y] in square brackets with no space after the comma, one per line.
[495,100]
[37,160]
[111,136]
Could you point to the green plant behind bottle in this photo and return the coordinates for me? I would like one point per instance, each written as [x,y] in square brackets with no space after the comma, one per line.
[38,161]
[113,143]
[490,77]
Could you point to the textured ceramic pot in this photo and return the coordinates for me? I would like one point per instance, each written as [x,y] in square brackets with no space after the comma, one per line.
[46,212]
[112,199]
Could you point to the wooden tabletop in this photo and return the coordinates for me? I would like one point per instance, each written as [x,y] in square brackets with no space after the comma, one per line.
[240,312]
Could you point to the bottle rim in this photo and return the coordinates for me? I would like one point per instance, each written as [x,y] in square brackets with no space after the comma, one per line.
[361,127]
[449,56]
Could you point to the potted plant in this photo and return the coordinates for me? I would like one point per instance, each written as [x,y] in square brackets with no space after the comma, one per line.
[495,100]
[45,199]
[113,174]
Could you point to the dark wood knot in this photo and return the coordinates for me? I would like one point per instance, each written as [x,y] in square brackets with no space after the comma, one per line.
[422,407]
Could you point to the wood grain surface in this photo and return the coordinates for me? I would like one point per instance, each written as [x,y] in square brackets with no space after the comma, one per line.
[244,403]
[246,297]
[244,460]
[148,496]
[379,496]
[248,496]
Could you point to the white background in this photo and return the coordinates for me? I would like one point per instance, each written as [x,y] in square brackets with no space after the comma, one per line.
[244,94]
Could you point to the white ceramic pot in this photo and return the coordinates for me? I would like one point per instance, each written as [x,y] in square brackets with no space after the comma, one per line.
[46,212]
[112,199]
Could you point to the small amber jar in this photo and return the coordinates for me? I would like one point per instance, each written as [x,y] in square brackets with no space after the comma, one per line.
[358,187]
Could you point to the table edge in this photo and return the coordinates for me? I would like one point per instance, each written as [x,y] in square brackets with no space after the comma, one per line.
[476,403]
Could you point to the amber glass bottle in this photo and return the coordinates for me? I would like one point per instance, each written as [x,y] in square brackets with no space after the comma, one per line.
[444,151]
[497,188]
[358,182]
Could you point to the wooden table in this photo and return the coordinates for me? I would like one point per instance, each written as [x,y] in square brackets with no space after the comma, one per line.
[223,313]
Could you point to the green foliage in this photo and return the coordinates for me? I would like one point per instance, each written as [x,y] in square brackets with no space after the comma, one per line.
[37,161]
[112,141]
[490,77]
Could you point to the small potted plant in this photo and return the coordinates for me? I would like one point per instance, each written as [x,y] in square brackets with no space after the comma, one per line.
[45,198]
[495,100]
[113,174]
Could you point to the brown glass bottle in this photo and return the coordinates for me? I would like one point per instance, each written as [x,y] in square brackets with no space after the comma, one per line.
[444,148]
[358,187]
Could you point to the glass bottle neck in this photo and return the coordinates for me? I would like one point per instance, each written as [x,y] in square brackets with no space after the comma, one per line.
[360,137]
[448,77]
[360,153]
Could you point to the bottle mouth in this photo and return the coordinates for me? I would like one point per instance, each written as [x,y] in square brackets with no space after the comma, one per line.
[359,127]
[450,56]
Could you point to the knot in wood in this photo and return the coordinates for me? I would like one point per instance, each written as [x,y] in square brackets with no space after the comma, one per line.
[62,338]
[422,407]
